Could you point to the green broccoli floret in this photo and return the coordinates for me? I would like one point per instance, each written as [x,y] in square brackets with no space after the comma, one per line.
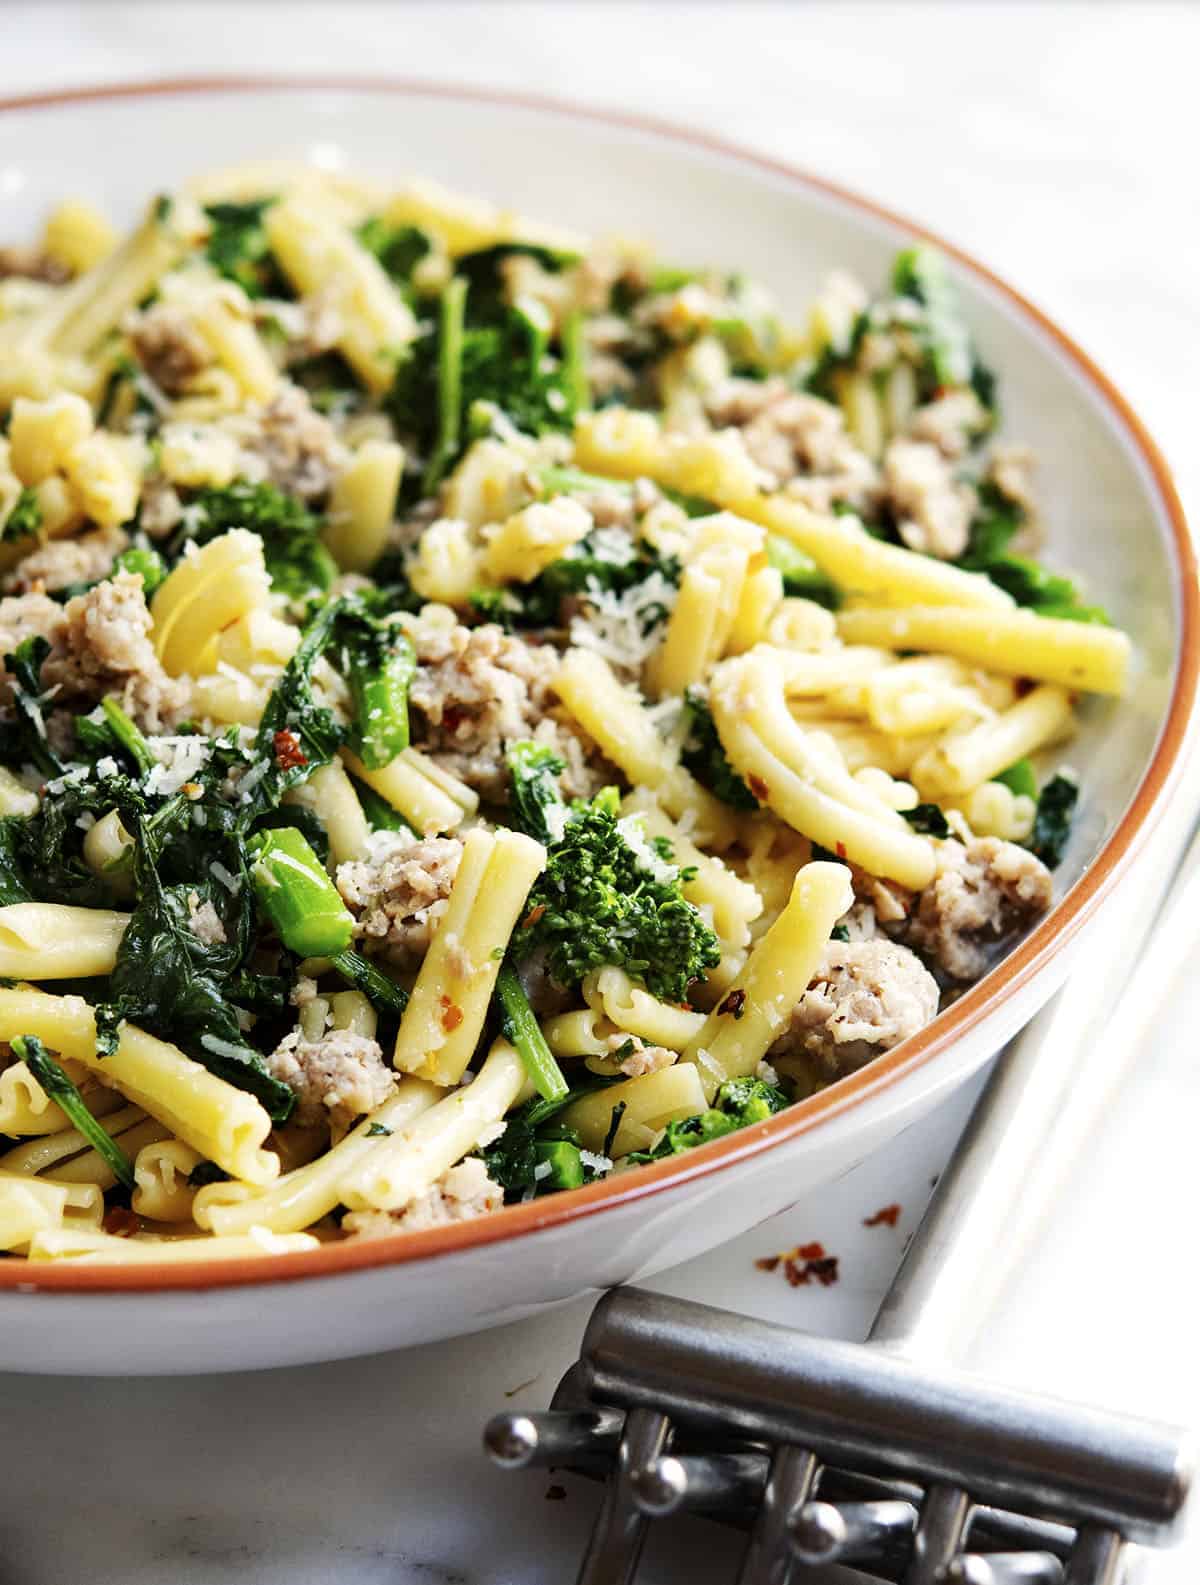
[297,561]
[705,757]
[237,247]
[398,248]
[738,1104]
[533,772]
[602,900]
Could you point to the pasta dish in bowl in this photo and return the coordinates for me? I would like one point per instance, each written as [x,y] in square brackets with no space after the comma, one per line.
[488,710]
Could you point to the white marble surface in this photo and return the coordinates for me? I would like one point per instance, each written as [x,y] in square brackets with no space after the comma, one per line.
[1057,142]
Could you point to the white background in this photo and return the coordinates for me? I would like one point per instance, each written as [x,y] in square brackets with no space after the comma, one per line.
[1058,142]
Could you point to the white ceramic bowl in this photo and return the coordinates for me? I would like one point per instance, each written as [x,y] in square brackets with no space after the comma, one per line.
[1113,517]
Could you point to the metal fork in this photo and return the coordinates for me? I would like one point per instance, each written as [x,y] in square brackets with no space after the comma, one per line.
[882,1456]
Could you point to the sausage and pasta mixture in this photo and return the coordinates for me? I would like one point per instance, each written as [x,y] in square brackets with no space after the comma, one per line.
[483,709]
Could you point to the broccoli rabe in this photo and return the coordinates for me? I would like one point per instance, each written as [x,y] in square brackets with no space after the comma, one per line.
[237,247]
[1052,823]
[378,662]
[800,573]
[297,561]
[533,772]
[583,570]
[398,248]
[738,1103]
[610,896]
[928,819]
[705,757]
[24,518]
[533,1135]
[997,520]
[23,740]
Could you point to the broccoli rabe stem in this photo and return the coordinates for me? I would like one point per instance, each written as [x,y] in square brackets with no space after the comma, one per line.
[127,733]
[522,1029]
[450,356]
[533,771]
[59,1087]
[574,364]
[380,693]
[564,1161]
[297,896]
[384,994]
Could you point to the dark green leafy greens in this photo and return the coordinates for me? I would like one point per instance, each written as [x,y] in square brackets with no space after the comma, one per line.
[533,772]
[24,519]
[1052,823]
[58,1085]
[997,520]
[928,819]
[704,755]
[297,560]
[237,247]
[23,740]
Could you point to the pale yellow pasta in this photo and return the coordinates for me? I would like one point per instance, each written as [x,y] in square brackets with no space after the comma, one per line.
[302,1197]
[197,456]
[61,512]
[95,304]
[429,801]
[363,503]
[53,1150]
[730,903]
[29,1206]
[775,757]
[994,810]
[91,1167]
[582,1033]
[220,312]
[863,410]
[924,694]
[77,236]
[896,794]
[1077,655]
[448,563]
[717,467]
[229,697]
[965,759]
[636,1012]
[802,624]
[651,1102]
[162,1192]
[104,1249]
[441,1025]
[314,1018]
[105,475]
[774,856]
[736,1037]
[209,395]
[258,638]
[411,1160]
[107,850]
[352,1010]
[760,598]
[489,484]
[228,1126]
[463,224]
[330,794]
[41,434]
[209,589]
[319,254]
[616,718]
[53,941]
[525,544]
[15,797]
[25,1108]
[823,672]
[701,619]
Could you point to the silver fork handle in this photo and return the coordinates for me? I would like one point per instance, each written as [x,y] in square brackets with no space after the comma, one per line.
[1036,1113]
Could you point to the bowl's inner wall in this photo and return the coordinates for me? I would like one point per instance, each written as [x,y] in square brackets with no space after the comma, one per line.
[1102,516]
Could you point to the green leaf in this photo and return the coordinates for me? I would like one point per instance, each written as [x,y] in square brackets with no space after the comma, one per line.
[25,518]
[60,1088]
[1052,823]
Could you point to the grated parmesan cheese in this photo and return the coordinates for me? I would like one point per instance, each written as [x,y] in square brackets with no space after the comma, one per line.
[630,828]
[624,627]
[598,1164]
[179,760]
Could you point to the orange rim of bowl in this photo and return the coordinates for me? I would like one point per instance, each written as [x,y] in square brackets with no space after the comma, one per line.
[1010,976]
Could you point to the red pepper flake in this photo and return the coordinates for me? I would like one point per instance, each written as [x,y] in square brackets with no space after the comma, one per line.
[758,787]
[452,1015]
[886,1216]
[734,1003]
[840,850]
[802,1265]
[288,753]
[120,1221]
[532,917]
[556,1493]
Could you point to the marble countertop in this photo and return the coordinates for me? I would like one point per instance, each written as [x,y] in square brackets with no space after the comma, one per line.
[1057,142]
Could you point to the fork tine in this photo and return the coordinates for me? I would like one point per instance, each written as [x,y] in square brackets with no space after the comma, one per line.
[768,1558]
[619,1532]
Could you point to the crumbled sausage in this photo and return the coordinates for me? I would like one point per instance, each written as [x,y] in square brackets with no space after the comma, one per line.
[288,442]
[950,423]
[31,264]
[983,893]
[168,346]
[799,440]
[399,893]
[25,616]
[466,1191]
[103,646]
[866,997]
[933,509]
[61,562]
[335,1079]
[204,921]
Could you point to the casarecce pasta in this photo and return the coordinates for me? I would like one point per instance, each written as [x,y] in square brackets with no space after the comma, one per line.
[481,710]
